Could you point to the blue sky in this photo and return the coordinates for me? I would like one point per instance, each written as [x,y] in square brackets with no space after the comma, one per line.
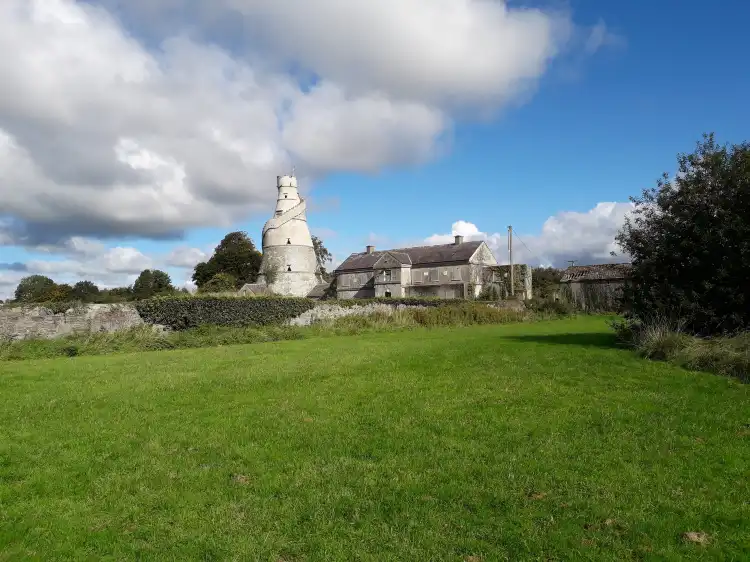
[637,83]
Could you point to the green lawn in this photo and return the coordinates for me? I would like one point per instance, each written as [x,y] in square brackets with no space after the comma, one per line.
[536,441]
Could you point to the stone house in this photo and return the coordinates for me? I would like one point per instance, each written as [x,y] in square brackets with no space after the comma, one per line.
[595,287]
[446,271]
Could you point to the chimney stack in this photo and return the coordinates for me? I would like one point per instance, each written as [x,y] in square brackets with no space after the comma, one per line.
[370,249]
[459,240]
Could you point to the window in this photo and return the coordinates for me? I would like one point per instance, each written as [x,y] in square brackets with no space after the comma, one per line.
[456,273]
[387,294]
[278,213]
[285,196]
[434,275]
[288,267]
[288,240]
[387,275]
[417,276]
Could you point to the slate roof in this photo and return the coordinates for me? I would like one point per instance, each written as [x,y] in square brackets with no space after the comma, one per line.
[254,289]
[418,255]
[318,291]
[605,271]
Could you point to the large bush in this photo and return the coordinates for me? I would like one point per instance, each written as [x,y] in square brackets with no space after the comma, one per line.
[236,255]
[689,240]
[182,312]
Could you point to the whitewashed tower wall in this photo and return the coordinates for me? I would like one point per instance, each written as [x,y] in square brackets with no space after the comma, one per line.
[287,244]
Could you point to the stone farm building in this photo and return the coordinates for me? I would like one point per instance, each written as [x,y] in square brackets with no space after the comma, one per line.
[595,287]
[446,271]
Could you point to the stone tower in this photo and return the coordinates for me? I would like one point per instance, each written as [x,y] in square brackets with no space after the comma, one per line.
[288,251]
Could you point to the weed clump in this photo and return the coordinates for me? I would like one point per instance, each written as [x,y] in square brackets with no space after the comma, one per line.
[666,340]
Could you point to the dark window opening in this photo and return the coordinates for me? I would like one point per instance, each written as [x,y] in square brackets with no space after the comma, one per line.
[278,213]
[387,294]
[288,267]
[288,240]
[285,196]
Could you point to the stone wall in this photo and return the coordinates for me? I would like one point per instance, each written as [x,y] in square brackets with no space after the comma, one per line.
[324,312]
[41,322]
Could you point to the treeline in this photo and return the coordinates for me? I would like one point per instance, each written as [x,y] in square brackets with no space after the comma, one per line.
[42,289]
[234,262]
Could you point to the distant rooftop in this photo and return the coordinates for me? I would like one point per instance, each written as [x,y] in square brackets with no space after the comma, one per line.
[596,272]
[418,255]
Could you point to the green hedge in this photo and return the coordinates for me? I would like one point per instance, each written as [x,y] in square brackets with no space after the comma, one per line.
[180,313]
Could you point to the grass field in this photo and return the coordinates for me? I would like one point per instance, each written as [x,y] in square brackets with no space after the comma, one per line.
[536,441]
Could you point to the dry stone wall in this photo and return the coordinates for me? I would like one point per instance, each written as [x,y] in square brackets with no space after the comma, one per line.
[325,312]
[40,322]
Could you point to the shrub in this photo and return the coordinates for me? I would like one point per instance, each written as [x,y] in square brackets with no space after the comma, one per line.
[182,312]
[689,240]
[663,339]
[552,307]
[221,282]
[488,293]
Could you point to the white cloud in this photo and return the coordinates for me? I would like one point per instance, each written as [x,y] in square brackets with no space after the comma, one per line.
[586,237]
[328,130]
[600,36]
[186,257]
[443,51]
[103,134]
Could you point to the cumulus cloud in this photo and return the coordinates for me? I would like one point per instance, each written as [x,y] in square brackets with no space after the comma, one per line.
[101,137]
[107,267]
[586,237]
[106,134]
[186,257]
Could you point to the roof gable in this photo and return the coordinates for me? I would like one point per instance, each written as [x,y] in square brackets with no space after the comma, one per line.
[418,255]
[392,259]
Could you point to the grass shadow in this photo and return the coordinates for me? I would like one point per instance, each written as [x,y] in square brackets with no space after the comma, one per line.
[600,340]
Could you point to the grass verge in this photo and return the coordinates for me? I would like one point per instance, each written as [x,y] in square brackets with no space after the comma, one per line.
[664,340]
[145,338]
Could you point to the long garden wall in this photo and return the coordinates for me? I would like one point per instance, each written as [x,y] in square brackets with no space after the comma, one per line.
[42,322]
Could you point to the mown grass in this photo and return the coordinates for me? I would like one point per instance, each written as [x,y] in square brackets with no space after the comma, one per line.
[145,338]
[535,441]
[663,340]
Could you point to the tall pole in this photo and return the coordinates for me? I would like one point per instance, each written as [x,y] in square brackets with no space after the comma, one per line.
[510,258]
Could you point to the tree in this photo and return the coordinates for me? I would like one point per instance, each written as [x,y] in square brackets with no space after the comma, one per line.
[219,283]
[152,282]
[59,293]
[85,291]
[117,294]
[689,241]
[235,255]
[33,288]
[322,255]
[545,280]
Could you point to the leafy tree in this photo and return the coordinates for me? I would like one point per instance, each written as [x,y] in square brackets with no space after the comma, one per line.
[59,293]
[152,282]
[544,281]
[85,291]
[689,240]
[33,288]
[322,255]
[235,255]
[117,294]
[219,283]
